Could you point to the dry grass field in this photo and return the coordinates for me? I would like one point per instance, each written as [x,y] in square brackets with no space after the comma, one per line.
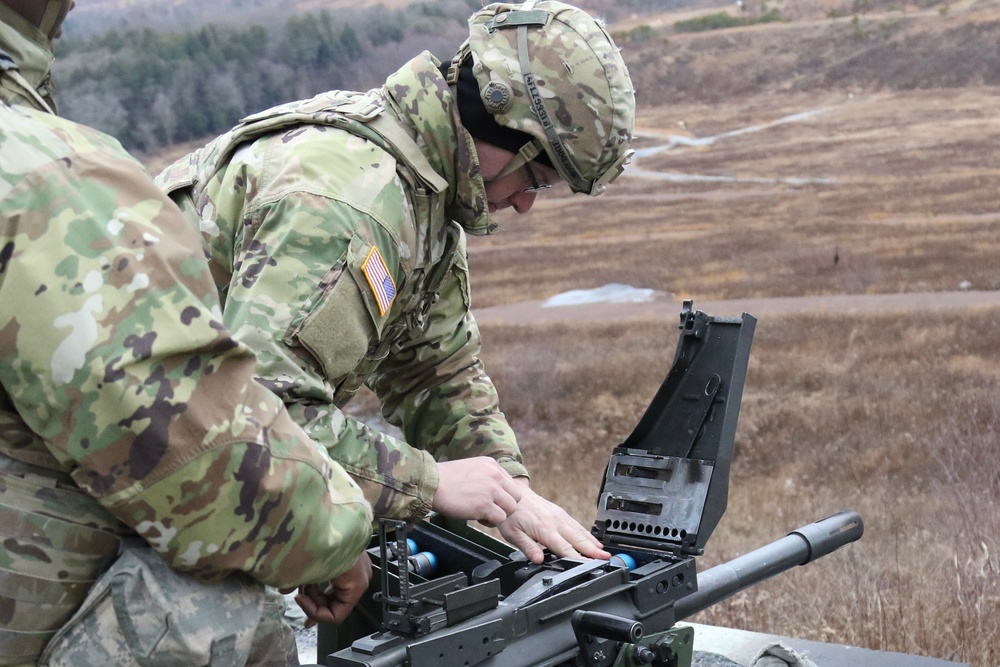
[894,416]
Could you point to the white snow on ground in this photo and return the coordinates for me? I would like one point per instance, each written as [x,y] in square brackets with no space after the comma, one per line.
[610,293]
[306,641]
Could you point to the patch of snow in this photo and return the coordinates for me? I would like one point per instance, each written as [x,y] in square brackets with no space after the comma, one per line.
[305,640]
[610,293]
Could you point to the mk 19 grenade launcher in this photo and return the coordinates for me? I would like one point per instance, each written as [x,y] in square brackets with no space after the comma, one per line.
[448,595]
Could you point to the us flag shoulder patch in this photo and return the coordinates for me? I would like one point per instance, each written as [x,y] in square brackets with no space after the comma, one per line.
[379,280]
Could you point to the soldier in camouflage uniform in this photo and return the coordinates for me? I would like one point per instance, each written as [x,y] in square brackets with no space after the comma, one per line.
[336,228]
[130,421]
[26,31]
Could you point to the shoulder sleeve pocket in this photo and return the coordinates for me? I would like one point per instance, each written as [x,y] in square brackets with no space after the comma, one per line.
[346,320]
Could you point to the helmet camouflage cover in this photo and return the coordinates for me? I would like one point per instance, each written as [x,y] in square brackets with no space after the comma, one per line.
[552,71]
[46,15]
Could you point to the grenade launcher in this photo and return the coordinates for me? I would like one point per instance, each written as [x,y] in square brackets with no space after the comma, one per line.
[446,594]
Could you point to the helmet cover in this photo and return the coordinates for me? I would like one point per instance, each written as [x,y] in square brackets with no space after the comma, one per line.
[552,71]
[47,16]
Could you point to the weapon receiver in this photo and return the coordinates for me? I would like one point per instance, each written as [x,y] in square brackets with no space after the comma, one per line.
[464,598]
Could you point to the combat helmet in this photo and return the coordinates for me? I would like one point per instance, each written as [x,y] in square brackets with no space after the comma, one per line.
[46,16]
[551,71]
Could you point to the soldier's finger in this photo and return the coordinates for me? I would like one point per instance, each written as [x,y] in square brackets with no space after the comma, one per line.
[513,488]
[505,502]
[308,608]
[494,516]
[531,550]
[562,548]
[339,610]
[586,544]
[322,613]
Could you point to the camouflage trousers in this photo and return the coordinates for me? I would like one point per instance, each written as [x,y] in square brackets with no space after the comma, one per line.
[72,582]
[56,543]
[143,613]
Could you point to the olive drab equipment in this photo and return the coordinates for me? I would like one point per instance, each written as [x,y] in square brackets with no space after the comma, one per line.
[552,71]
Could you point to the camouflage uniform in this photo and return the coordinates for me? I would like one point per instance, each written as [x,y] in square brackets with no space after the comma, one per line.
[126,408]
[335,230]
[26,62]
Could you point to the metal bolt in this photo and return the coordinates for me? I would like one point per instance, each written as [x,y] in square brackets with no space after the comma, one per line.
[643,655]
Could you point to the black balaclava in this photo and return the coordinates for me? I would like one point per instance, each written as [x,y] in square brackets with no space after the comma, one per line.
[479,122]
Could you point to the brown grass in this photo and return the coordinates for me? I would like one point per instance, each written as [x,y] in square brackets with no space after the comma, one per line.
[894,416]
[903,192]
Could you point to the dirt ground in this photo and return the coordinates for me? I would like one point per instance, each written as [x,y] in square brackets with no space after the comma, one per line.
[667,307]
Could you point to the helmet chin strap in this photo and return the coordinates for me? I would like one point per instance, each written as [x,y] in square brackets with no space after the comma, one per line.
[563,162]
[464,52]
[51,17]
[528,152]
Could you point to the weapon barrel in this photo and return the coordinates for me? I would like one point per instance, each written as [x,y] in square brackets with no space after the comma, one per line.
[797,548]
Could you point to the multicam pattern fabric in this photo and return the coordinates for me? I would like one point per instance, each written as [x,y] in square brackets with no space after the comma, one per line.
[289,213]
[30,57]
[581,78]
[126,405]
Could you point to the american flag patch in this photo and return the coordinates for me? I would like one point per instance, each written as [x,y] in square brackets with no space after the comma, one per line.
[379,280]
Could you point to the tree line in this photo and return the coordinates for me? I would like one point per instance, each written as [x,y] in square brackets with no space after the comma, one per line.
[153,89]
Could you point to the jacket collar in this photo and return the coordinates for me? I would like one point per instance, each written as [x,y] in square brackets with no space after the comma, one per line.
[30,49]
[420,97]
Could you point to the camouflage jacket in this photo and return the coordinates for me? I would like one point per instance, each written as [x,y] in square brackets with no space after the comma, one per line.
[26,58]
[117,372]
[335,229]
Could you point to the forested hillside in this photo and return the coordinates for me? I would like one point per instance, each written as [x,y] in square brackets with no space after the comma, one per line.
[153,89]
[156,74]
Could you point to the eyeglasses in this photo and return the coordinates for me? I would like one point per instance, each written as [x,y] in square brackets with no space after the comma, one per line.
[535,185]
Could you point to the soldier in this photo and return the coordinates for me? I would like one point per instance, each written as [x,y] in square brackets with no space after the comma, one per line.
[336,228]
[130,421]
[26,33]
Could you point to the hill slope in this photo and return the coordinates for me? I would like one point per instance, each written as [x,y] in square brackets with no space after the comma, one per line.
[939,46]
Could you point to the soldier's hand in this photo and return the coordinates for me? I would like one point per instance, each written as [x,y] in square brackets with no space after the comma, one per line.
[538,523]
[476,489]
[334,602]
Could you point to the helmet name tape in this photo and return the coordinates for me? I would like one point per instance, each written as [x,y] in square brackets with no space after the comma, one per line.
[555,143]
[565,163]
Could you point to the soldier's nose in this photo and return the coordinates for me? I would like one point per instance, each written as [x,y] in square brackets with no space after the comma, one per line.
[522,201]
